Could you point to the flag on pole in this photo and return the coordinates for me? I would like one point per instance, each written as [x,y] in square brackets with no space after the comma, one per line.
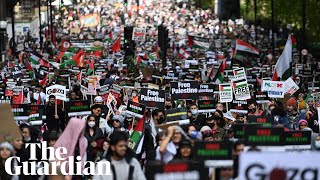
[283,67]
[218,76]
[43,82]
[183,53]
[116,46]
[34,59]
[79,58]
[242,46]
[137,133]
[65,45]
[91,67]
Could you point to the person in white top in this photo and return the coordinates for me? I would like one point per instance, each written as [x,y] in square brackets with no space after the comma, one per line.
[96,110]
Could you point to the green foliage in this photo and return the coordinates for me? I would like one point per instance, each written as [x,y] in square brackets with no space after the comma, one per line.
[287,12]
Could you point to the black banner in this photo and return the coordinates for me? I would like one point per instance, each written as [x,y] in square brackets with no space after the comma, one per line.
[264,136]
[260,119]
[78,108]
[239,106]
[64,81]
[206,90]
[176,114]
[297,137]
[212,150]
[239,129]
[177,170]
[152,98]
[206,106]
[261,97]
[135,109]
[184,90]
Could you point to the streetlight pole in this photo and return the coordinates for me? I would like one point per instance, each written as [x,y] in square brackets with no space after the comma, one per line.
[272,19]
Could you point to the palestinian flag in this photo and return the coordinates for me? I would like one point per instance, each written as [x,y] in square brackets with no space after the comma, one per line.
[198,42]
[218,76]
[225,88]
[67,62]
[183,53]
[240,84]
[294,42]
[65,45]
[116,46]
[79,77]
[30,69]
[156,50]
[242,46]
[79,58]
[108,39]
[137,133]
[10,65]
[63,54]
[91,67]
[34,59]
[283,68]
[43,82]
[97,53]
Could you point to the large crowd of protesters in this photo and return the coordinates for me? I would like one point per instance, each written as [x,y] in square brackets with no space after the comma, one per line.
[106,134]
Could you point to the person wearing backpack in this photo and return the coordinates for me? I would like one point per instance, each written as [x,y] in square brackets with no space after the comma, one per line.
[122,162]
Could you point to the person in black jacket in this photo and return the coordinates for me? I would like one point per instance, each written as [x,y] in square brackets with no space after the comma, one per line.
[94,136]
[54,121]
[6,151]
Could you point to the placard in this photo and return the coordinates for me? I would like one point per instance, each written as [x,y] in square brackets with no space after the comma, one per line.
[264,136]
[259,165]
[241,89]
[265,120]
[58,91]
[206,106]
[225,93]
[78,108]
[261,97]
[184,90]
[239,73]
[186,170]
[206,90]
[152,97]
[135,109]
[239,129]
[297,138]
[239,107]
[176,114]
[139,34]
[275,89]
[290,86]
[212,150]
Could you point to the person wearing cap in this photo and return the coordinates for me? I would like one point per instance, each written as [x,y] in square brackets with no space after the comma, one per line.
[99,100]
[293,115]
[6,151]
[117,122]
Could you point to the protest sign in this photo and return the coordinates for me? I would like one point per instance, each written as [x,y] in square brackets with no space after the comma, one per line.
[264,136]
[186,170]
[239,129]
[36,112]
[20,112]
[316,99]
[297,139]
[259,165]
[139,34]
[135,109]
[267,121]
[239,107]
[214,154]
[239,73]
[290,86]
[206,90]
[62,80]
[152,98]
[93,85]
[275,89]
[261,97]
[89,20]
[241,89]
[225,93]
[206,106]
[112,103]
[176,114]
[9,130]
[184,90]
[78,108]
[58,91]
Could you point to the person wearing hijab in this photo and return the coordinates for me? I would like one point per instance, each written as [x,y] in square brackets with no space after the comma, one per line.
[74,141]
